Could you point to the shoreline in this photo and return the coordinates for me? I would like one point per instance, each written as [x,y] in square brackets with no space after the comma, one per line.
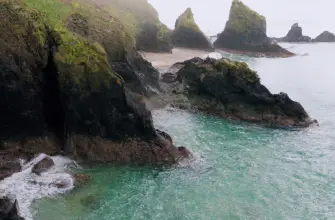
[258,54]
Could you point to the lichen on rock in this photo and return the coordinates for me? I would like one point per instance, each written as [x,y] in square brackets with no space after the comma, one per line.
[246,31]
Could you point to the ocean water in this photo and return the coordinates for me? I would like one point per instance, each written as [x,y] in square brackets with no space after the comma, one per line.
[241,171]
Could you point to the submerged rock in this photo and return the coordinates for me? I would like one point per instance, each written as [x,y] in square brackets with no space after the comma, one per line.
[9,210]
[294,35]
[231,90]
[325,36]
[43,165]
[245,31]
[80,179]
[187,33]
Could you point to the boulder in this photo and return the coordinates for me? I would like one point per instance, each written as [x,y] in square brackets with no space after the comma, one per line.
[230,89]
[187,33]
[325,36]
[9,210]
[43,165]
[294,35]
[245,32]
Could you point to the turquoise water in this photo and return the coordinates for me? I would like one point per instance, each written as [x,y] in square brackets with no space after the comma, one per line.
[241,171]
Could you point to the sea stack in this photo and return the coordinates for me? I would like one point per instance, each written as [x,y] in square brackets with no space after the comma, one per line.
[230,89]
[325,36]
[245,32]
[295,35]
[187,33]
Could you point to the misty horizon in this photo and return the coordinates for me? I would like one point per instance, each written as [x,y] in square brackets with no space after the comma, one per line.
[211,15]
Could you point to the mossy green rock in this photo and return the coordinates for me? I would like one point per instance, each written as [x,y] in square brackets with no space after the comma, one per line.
[58,80]
[23,54]
[246,31]
[230,89]
[188,34]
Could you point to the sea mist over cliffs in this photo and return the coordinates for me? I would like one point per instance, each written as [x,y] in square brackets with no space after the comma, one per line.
[211,15]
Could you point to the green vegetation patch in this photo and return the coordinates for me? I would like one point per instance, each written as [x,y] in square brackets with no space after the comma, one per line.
[240,69]
[186,20]
[242,18]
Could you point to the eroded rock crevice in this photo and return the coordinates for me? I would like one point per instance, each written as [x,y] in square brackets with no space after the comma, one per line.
[53,107]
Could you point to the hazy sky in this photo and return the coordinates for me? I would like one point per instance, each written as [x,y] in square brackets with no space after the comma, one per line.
[314,16]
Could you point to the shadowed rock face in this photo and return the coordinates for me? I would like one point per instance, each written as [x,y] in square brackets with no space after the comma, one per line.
[325,36]
[246,31]
[9,210]
[187,34]
[294,35]
[231,90]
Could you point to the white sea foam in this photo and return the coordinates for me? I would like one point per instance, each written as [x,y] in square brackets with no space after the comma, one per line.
[26,186]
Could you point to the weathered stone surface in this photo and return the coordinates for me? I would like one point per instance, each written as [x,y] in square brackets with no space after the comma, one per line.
[231,90]
[245,31]
[9,210]
[187,33]
[43,165]
[325,36]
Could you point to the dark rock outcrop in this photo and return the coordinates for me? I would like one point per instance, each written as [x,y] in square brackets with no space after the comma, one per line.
[245,32]
[43,165]
[61,90]
[325,36]
[231,90]
[187,34]
[294,35]
[9,210]
[153,37]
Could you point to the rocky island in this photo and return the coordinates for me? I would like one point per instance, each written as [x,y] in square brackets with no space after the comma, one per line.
[294,35]
[325,36]
[245,32]
[230,89]
[187,33]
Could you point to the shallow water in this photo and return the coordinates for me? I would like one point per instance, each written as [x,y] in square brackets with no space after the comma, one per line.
[241,171]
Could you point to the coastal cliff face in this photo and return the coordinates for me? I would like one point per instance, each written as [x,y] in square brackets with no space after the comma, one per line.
[230,89]
[294,35]
[325,36]
[61,91]
[245,31]
[187,33]
[151,34]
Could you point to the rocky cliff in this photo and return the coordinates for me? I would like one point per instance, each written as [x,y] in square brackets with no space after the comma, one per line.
[151,34]
[72,82]
[230,89]
[245,31]
[188,34]
[325,36]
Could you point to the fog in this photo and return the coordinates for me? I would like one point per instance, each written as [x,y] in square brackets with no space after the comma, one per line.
[211,15]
